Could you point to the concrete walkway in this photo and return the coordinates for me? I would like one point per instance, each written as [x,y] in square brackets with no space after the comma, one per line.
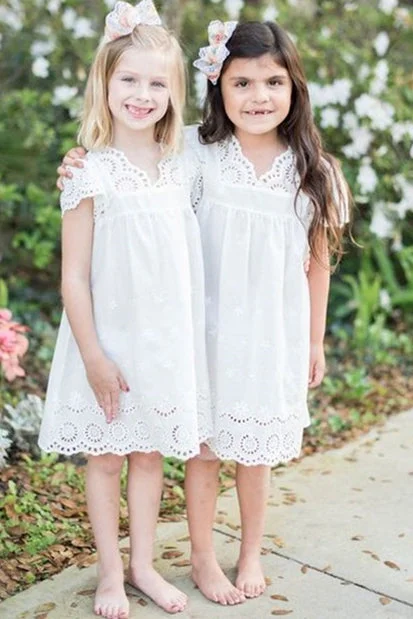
[338,543]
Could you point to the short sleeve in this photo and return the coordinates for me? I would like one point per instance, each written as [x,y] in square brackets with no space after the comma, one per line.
[194,156]
[85,183]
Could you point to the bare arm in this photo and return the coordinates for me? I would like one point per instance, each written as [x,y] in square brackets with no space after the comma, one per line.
[319,284]
[77,237]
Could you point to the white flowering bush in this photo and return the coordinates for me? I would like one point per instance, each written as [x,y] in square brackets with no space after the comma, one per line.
[24,421]
[358,62]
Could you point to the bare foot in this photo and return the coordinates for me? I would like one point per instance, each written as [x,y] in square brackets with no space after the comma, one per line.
[250,577]
[158,589]
[212,582]
[110,598]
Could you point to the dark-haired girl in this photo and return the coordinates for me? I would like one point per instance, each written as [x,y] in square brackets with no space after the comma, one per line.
[269,199]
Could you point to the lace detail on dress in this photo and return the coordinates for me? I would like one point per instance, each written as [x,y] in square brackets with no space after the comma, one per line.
[76,425]
[85,183]
[242,436]
[128,178]
[236,169]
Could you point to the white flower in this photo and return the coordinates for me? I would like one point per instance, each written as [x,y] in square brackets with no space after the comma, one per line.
[325,32]
[381,73]
[381,43]
[362,138]
[406,190]
[53,6]
[200,82]
[380,113]
[5,443]
[364,72]
[342,90]
[382,151]
[400,129]
[388,6]
[69,18]
[42,48]
[63,94]
[380,224]
[367,178]
[350,6]
[401,17]
[336,93]
[330,117]
[270,14]
[66,73]
[350,121]
[40,67]
[233,7]
[83,29]
[12,18]
[384,299]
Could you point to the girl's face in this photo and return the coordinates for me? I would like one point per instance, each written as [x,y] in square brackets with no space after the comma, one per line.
[256,94]
[138,91]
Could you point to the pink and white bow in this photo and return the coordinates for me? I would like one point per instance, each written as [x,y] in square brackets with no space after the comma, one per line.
[211,58]
[124,17]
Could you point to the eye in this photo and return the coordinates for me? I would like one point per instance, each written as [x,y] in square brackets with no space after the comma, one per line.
[275,82]
[128,79]
[158,84]
[241,84]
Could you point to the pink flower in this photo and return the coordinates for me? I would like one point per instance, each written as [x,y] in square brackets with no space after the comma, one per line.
[13,345]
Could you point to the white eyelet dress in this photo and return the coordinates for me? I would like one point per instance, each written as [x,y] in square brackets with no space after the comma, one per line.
[257,302]
[147,286]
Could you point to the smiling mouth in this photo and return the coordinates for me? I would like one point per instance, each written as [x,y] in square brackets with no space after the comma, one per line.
[139,112]
[259,112]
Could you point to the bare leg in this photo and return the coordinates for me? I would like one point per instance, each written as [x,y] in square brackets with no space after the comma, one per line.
[253,488]
[103,495]
[145,477]
[201,487]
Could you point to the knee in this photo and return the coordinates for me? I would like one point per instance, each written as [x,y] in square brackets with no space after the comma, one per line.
[109,464]
[145,461]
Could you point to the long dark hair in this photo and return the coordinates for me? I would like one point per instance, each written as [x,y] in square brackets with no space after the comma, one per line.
[320,176]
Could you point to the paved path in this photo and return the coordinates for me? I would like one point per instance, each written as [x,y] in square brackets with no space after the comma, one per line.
[338,544]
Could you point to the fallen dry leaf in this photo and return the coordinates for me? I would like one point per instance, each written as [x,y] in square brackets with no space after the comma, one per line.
[183,563]
[86,592]
[268,581]
[392,565]
[304,569]
[44,608]
[172,554]
[278,596]
[384,601]
[357,538]
[280,612]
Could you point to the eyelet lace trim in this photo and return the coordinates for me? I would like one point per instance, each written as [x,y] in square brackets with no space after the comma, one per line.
[235,168]
[76,425]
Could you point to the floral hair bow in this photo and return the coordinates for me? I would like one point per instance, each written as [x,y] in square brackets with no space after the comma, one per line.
[211,58]
[124,17]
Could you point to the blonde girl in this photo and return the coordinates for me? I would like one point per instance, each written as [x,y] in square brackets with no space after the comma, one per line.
[129,376]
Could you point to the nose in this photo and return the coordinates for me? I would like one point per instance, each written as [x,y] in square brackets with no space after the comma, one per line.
[142,91]
[260,93]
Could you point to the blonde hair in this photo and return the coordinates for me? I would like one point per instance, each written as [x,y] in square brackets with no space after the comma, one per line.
[96,130]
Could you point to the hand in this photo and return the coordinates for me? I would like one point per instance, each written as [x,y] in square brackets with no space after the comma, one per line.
[72,158]
[107,382]
[317,365]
